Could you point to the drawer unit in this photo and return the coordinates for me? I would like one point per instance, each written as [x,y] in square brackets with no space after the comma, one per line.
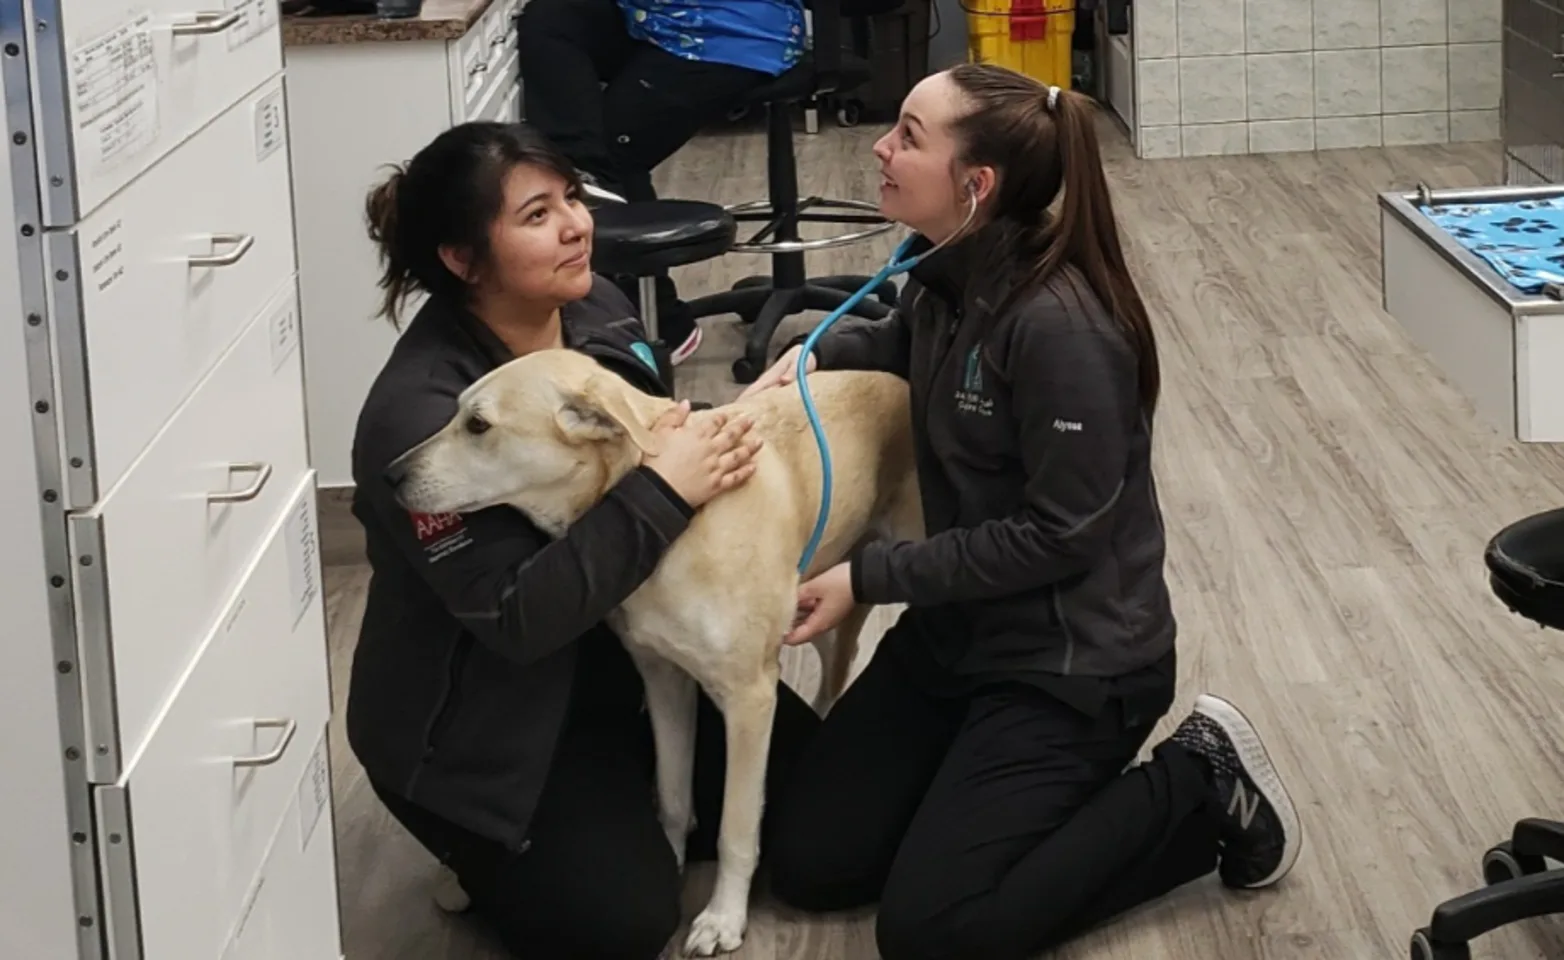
[478,58]
[137,81]
[154,396]
[158,281]
[503,97]
[292,908]
[158,556]
[203,800]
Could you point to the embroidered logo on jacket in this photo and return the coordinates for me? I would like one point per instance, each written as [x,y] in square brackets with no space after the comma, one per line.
[970,397]
[440,534]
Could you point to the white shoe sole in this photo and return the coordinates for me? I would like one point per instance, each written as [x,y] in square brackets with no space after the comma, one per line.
[1257,764]
[687,349]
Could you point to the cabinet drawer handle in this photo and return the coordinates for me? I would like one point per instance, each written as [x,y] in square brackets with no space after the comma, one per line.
[275,753]
[242,243]
[212,21]
[263,473]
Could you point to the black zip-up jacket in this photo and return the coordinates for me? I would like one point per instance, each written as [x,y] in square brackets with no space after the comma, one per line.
[474,623]
[1045,538]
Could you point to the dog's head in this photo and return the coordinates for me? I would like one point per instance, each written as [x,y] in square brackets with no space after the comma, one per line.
[548,434]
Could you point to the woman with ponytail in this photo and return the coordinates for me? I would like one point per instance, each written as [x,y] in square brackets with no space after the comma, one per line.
[978,780]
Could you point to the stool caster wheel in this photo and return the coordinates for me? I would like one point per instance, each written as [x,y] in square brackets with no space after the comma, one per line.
[745,372]
[1424,948]
[849,114]
[1502,863]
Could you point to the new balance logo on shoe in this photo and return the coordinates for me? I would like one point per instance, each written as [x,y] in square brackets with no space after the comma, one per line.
[1244,805]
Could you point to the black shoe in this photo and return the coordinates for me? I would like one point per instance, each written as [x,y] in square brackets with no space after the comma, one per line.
[1261,834]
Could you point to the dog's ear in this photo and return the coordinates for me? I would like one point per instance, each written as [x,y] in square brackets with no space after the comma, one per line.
[598,413]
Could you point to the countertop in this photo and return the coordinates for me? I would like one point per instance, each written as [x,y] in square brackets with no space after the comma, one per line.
[439,20]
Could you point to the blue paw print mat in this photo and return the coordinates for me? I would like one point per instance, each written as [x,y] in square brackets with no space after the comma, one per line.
[1523,241]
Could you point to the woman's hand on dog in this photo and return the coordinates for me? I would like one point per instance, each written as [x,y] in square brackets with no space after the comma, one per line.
[781,373]
[823,603]
[702,459]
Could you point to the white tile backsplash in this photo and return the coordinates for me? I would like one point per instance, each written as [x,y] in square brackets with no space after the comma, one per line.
[1156,29]
[1160,143]
[1476,76]
[1281,136]
[1407,23]
[1279,26]
[1211,89]
[1210,27]
[1218,77]
[1346,24]
[1158,93]
[1416,79]
[1345,133]
[1216,139]
[1346,83]
[1475,21]
[1280,85]
[1405,129]
[1474,126]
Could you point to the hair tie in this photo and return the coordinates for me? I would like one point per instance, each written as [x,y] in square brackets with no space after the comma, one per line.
[1053,98]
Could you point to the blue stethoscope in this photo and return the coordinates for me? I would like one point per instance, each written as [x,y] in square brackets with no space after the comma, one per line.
[899,263]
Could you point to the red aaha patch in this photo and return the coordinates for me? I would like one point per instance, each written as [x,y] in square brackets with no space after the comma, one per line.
[430,527]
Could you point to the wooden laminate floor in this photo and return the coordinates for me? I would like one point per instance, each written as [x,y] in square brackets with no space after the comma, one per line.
[1327,496]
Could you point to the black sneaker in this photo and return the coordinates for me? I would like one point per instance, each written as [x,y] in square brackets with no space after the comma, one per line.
[1261,834]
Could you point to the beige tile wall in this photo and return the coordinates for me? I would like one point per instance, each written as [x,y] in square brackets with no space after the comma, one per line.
[1273,76]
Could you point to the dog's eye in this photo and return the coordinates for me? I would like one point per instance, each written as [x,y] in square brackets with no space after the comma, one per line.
[476,425]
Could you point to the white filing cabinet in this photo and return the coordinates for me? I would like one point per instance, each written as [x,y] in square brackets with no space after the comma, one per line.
[358,102]
[164,524]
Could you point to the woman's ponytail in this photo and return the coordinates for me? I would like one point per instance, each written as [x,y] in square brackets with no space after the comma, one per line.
[381,210]
[1086,233]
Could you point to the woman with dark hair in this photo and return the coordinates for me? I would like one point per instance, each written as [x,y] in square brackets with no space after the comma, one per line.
[978,779]
[496,716]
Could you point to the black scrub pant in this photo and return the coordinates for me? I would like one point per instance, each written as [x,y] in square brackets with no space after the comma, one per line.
[992,825]
[615,105]
[598,880]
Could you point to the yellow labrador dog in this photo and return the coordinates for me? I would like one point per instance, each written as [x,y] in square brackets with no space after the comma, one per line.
[714,612]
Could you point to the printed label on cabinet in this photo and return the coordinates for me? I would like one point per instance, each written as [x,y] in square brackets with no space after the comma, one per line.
[255,18]
[114,99]
[269,131]
[303,554]
[284,332]
[314,793]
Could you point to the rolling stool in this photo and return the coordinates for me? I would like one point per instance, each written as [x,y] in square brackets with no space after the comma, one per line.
[643,239]
[1526,572]
[826,69]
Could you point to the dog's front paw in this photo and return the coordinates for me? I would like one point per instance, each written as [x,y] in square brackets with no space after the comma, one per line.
[448,893]
[713,932]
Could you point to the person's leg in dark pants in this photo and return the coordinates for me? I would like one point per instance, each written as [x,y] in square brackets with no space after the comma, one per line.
[1034,832]
[1030,832]
[568,49]
[837,825]
[598,880]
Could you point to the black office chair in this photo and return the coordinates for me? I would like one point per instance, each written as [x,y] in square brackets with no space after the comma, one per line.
[646,238]
[1526,571]
[763,302]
